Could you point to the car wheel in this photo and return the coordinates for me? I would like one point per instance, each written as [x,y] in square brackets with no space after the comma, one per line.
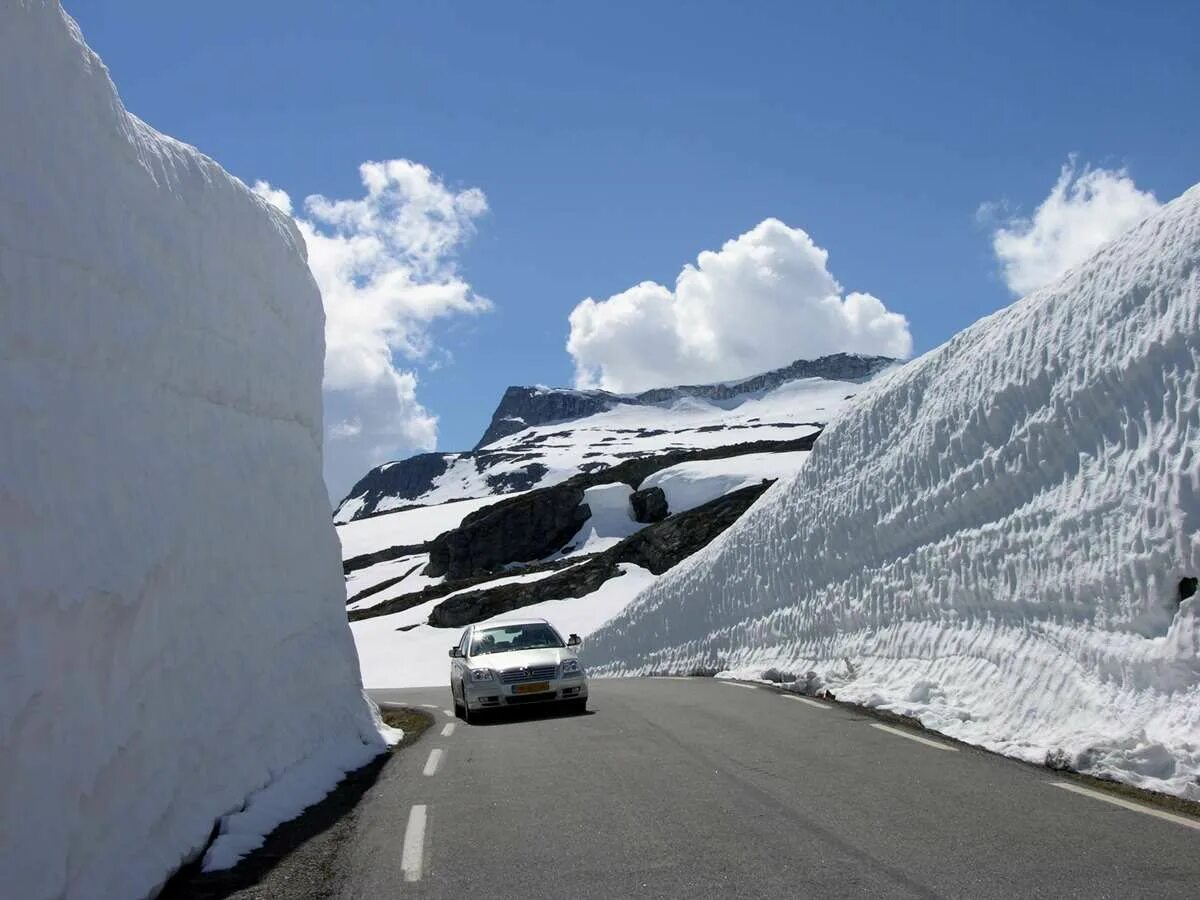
[459,708]
[466,716]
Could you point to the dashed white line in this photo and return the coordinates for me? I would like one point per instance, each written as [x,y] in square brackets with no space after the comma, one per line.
[431,764]
[448,729]
[412,857]
[912,737]
[429,706]
[1126,804]
[805,700]
[748,687]
[448,712]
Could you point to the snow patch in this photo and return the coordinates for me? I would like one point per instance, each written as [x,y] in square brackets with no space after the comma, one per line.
[417,657]
[610,521]
[693,484]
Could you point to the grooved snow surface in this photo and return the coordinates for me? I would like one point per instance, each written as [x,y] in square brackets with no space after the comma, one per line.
[170,644]
[990,538]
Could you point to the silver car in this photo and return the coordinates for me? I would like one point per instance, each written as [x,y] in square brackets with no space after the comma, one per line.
[510,663]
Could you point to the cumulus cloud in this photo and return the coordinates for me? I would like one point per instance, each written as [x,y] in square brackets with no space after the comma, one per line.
[1083,211]
[763,300]
[385,263]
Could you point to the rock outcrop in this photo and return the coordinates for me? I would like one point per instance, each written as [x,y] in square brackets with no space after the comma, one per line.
[656,547]
[649,505]
[534,525]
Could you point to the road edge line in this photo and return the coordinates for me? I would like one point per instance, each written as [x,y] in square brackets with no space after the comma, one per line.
[937,745]
[1127,804]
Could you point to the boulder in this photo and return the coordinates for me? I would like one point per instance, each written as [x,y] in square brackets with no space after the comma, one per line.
[649,505]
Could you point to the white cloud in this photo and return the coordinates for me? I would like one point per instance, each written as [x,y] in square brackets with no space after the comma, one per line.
[763,300]
[1084,211]
[385,264]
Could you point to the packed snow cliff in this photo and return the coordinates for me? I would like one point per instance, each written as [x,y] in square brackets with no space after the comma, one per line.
[996,538]
[173,642]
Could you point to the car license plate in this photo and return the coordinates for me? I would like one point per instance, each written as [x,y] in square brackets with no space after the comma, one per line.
[532,688]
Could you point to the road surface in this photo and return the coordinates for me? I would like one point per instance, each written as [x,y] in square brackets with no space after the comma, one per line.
[699,788]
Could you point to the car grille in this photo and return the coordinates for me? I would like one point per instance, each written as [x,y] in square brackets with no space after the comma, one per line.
[532,673]
[530,698]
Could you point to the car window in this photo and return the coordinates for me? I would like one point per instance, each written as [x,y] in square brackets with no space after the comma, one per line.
[504,638]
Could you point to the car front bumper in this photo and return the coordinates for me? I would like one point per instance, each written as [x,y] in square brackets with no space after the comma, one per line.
[495,695]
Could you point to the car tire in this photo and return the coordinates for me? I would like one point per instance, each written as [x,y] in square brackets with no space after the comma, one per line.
[459,708]
[578,707]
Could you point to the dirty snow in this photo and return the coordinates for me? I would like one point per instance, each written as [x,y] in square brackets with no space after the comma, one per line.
[991,538]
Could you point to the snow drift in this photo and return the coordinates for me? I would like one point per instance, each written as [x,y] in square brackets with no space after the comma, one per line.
[172,632]
[993,537]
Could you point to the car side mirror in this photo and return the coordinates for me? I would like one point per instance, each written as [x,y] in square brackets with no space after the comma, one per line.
[574,640]
[455,653]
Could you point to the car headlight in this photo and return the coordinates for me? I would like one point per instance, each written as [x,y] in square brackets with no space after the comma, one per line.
[483,675]
[571,667]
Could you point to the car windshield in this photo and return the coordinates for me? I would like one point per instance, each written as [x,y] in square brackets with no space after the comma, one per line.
[503,638]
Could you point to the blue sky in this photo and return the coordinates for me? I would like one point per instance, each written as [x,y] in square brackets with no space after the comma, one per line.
[616,141]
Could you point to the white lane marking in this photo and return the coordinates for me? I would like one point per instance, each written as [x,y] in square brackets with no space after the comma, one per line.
[448,712]
[671,677]
[1127,804]
[414,844]
[813,703]
[448,729]
[912,737]
[748,687]
[431,764]
[429,706]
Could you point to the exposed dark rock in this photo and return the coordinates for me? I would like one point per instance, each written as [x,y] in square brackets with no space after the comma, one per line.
[382,586]
[519,529]
[525,478]
[434,591]
[385,555]
[408,479]
[649,505]
[536,524]
[521,407]
[656,547]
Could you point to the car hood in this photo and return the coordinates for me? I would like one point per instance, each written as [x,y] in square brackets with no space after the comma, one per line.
[548,656]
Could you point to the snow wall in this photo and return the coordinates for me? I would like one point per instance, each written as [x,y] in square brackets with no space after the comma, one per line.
[172,630]
[992,537]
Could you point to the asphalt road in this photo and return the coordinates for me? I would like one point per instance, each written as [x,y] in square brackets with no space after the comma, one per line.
[697,788]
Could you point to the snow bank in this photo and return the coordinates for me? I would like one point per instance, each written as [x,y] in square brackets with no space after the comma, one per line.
[693,484]
[172,629]
[418,657]
[992,537]
[610,521]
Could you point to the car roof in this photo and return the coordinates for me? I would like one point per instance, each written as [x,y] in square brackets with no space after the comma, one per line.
[498,622]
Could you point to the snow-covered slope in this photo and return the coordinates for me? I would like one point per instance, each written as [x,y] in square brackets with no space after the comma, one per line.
[599,430]
[173,642]
[993,537]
